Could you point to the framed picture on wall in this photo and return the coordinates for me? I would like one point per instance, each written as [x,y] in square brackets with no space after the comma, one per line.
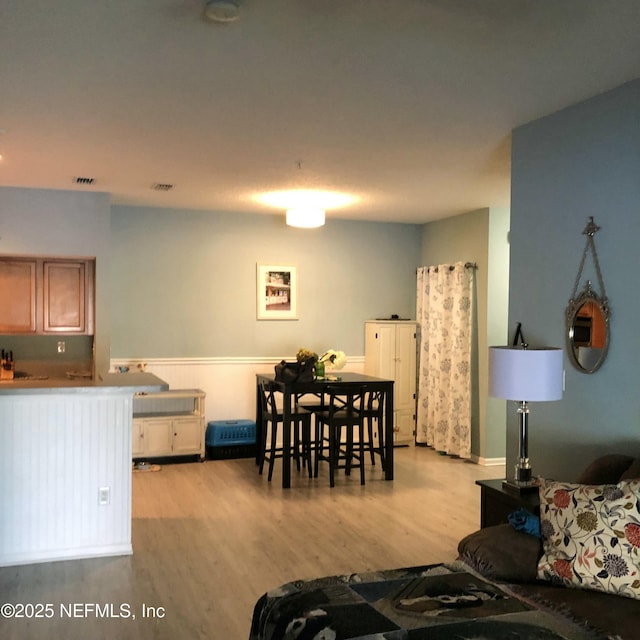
[276,292]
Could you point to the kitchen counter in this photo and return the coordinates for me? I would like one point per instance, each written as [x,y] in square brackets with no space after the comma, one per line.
[65,466]
[109,382]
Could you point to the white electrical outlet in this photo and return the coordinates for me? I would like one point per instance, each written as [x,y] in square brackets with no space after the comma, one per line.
[104,495]
[61,346]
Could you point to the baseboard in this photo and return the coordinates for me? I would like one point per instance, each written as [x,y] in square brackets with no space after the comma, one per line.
[56,555]
[488,462]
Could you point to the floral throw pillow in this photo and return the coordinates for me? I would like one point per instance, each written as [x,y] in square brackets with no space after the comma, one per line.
[591,536]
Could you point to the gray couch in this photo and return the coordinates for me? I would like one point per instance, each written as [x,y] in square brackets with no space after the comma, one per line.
[503,554]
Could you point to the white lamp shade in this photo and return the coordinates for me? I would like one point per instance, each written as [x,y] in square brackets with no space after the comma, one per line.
[305,217]
[525,375]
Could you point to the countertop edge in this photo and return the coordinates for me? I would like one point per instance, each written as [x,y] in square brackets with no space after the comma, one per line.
[107,383]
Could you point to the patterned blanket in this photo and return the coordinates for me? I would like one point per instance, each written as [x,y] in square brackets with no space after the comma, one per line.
[435,602]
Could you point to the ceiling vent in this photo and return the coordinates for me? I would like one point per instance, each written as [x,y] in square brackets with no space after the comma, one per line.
[162,186]
[84,180]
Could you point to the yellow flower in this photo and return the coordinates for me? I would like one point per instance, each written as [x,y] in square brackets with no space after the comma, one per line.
[305,354]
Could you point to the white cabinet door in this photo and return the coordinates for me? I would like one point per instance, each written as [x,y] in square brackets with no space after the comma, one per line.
[387,351]
[404,426]
[187,435]
[405,367]
[137,444]
[158,436]
[380,350]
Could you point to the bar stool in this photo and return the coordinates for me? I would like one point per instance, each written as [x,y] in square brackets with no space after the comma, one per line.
[272,416]
[373,414]
[344,412]
[311,402]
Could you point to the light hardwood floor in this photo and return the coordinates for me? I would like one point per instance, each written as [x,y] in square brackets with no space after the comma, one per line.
[210,538]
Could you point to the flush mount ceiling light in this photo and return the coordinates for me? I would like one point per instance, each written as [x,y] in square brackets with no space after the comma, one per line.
[305,207]
[221,11]
[306,217]
[301,198]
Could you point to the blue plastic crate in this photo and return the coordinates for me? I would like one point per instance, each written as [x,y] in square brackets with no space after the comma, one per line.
[224,433]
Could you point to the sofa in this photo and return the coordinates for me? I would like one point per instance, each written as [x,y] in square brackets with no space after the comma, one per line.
[585,563]
[506,584]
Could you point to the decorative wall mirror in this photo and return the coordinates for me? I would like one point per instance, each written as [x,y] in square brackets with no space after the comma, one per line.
[587,315]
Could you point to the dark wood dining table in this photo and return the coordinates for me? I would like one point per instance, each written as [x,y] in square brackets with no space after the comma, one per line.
[292,390]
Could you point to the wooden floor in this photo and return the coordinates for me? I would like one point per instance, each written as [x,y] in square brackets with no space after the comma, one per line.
[209,538]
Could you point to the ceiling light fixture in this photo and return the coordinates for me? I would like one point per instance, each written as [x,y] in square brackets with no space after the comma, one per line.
[221,11]
[301,198]
[305,207]
[305,217]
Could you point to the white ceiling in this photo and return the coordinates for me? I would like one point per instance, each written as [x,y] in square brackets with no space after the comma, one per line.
[407,104]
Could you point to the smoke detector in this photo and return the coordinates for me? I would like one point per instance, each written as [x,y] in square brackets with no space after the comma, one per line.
[221,11]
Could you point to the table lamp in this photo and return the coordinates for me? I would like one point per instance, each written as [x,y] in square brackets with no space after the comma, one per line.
[525,375]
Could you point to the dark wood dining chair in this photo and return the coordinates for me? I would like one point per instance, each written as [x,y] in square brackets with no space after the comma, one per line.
[336,427]
[373,414]
[272,417]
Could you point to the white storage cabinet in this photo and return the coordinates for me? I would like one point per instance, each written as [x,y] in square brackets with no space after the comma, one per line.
[390,352]
[169,423]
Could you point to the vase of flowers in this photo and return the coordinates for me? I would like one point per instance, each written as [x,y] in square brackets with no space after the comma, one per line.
[333,359]
[330,359]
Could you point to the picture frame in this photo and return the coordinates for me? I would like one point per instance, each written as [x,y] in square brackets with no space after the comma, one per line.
[276,292]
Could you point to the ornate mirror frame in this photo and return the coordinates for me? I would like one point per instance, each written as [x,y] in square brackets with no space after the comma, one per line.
[587,315]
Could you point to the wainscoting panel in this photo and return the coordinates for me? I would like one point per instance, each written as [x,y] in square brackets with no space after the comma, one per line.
[230,383]
[57,451]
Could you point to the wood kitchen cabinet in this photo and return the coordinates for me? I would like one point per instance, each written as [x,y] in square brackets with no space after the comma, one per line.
[168,423]
[46,296]
[18,308]
[390,352]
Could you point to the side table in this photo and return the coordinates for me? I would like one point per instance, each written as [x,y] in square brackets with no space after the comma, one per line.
[496,502]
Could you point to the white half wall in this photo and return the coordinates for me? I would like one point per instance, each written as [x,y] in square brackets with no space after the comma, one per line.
[230,383]
[57,451]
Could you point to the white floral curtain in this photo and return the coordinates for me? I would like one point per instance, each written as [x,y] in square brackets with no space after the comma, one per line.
[444,312]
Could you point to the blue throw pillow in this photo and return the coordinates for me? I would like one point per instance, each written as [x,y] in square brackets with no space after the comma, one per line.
[525,521]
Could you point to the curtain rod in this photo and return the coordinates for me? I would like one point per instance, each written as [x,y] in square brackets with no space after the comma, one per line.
[467,265]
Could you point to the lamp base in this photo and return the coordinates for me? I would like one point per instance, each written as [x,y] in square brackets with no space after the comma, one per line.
[523,473]
[518,488]
[523,481]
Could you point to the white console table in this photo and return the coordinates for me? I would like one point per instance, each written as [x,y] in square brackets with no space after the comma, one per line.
[168,423]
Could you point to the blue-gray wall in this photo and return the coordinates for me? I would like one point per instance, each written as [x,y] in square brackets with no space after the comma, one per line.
[184,282]
[482,237]
[580,162]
